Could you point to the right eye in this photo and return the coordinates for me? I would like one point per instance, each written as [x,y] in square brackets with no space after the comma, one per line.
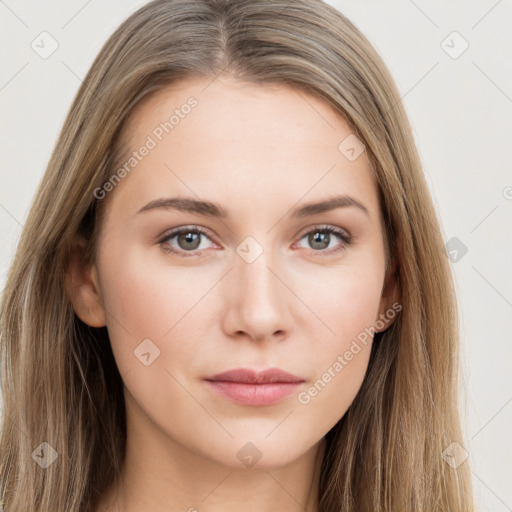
[187,238]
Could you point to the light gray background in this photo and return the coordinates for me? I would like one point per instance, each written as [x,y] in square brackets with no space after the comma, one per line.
[460,109]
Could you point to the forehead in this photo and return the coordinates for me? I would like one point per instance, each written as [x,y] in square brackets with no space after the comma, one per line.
[227,138]
[242,110]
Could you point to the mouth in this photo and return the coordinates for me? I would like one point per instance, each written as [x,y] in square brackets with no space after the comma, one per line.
[249,387]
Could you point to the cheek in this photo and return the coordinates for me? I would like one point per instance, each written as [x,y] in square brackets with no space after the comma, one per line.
[339,378]
[145,301]
[340,360]
[344,300]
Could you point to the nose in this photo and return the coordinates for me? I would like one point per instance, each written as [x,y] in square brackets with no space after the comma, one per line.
[258,300]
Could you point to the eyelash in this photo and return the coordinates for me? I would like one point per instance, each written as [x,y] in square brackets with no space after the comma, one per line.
[344,236]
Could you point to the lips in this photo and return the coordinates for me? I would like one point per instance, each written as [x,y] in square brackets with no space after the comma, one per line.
[248,376]
[253,388]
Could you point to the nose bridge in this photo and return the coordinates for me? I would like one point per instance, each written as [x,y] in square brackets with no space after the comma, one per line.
[255,274]
[259,299]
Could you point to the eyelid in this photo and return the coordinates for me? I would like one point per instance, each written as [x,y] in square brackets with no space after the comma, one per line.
[341,232]
[187,227]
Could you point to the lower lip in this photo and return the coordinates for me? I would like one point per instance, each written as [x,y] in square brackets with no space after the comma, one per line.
[254,394]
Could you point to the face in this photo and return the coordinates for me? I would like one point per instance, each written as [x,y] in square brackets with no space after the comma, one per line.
[256,278]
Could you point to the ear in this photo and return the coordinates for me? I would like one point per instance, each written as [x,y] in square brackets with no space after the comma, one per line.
[390,299]
[83,288]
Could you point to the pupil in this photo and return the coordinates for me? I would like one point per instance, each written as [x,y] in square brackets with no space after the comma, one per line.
[189,238]
[319,238]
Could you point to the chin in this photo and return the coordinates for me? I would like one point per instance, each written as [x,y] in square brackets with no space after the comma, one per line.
[259,450]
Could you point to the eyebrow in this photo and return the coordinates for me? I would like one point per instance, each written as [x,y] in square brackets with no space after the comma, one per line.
[210,209]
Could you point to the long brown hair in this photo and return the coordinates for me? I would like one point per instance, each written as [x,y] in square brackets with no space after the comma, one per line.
[60,382]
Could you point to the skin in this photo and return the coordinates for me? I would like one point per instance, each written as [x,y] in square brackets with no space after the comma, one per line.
[259,152]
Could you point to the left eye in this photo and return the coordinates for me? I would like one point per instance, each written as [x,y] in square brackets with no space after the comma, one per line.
[189,240]
[320,239]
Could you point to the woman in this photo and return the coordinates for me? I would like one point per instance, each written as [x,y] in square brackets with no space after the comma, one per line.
[302,351]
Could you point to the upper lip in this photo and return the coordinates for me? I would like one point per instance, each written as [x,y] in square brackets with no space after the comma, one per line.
[248,376]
